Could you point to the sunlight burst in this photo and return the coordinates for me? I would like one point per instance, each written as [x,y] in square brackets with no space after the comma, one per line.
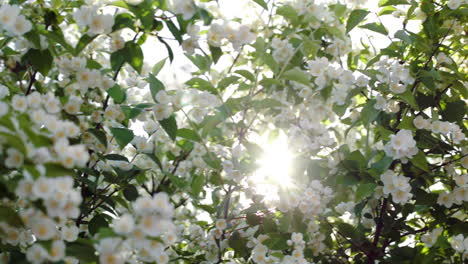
[274,167]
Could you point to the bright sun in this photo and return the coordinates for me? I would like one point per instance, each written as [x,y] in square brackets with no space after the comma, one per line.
[274,167]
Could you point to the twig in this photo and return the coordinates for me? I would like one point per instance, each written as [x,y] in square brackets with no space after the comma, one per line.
[31,82]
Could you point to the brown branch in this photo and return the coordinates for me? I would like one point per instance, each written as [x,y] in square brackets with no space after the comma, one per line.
[424,229]
[164,181]
[373,254]
[31,82]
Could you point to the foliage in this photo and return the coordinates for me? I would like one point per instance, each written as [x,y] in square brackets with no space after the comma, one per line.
[104,160]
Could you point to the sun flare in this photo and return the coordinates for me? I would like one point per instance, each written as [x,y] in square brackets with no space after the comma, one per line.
[274,168]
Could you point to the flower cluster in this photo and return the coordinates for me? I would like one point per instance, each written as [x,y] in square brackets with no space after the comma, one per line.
[429,239]
[458,195]
[460,244]
[397,186]
[186,8]
[401,146]
[61,201]
[231,31]
[326,72]
[148,230]
[97,23]
[283,50]
[105,158]
[315,199]
[441,127]
[12,21]
[395,75]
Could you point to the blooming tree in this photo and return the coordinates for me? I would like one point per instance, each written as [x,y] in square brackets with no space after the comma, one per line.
[104,160]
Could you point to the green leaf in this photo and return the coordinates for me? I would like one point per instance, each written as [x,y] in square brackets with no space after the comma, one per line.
[407,123]
[130,193]
[276,241]
[419,160]
[82,250]
[266,103]
[6,122]
[310,48]
[100,135]
[288,12]
[348,230]
[32,169]
[424,198]
[202,62]
[121,3]
[124,20]
[339,9]
[13,141]
[262,4]
[96,223]
[131,53]
[14,256]
[34,37]
[429,78]
[225,82]
[155,86]
[246,74]
[174,30]
[387,10]
[158,67]
[202,85]
[269,225]
[92,64]
[123,136]
[41,60]
[382,165]
[270,62]
[377,27]
[216,53]
[170,126]
[198,182]
[168,47]
[205,15]
[115,157]
[253,219]
[364,190]
[57,37]
[212,161]
[210,122]
[454,111]
[55,170]
[408,98]
[297,75]
[401,34]
[155,159]
[459,87]
[131,112]
[145,12]
[117,94]
[355,18]
[231,107]
[392,2]
[134,55]
[106,232]
[402,254]
[83,42]
[239,244]
[188,134]
[179,182]
[8,215]
[369,113]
